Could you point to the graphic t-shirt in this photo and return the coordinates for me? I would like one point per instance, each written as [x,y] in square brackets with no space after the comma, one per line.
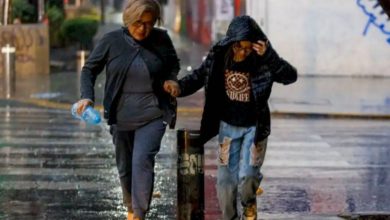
[239,108]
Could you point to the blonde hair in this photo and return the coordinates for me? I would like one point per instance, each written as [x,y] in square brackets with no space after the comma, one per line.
[135,8]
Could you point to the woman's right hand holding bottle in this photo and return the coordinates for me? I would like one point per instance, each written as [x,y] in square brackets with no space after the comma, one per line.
[82,105]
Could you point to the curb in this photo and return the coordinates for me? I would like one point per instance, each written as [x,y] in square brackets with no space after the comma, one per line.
[331,115]
[198,111]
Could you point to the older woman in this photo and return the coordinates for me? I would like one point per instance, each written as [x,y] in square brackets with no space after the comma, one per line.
[140,61]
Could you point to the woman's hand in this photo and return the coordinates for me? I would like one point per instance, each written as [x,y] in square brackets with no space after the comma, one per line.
[172,87]
[260,47]
[82,104]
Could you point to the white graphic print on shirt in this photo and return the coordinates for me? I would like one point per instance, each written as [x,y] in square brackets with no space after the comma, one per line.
[237,86]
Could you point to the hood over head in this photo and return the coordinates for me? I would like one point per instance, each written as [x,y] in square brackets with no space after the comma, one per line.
[242,28]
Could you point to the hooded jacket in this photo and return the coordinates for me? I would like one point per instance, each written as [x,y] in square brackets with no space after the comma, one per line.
[116,51]
[267,69]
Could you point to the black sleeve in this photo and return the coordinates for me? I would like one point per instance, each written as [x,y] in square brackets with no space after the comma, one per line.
[281,70]
[93,67]
[197,79]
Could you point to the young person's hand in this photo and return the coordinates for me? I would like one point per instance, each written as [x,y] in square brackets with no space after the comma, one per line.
[260,47]
[172,87]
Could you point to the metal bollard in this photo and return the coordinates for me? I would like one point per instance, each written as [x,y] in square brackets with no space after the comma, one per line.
[9,70]
[190,176]
[81,57]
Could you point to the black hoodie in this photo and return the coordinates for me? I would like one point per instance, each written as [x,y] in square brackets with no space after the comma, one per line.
[267,69]
[242,28]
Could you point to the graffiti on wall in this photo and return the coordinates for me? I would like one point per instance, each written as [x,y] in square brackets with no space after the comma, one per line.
[191,164]
[32,47]
[22,38]
[378,14]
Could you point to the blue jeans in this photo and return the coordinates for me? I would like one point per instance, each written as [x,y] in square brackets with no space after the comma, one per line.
[135,153]
[239,163]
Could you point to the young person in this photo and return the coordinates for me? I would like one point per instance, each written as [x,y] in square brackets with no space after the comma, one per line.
[238,74]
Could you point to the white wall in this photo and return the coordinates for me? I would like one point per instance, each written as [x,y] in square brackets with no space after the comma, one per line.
[326,37]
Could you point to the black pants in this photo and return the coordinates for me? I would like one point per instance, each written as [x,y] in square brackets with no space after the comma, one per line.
[135,158]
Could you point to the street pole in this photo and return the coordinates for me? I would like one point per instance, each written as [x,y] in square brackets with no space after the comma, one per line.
[102,11]
[82,55]
[9,70]
[41,10]
[6,12]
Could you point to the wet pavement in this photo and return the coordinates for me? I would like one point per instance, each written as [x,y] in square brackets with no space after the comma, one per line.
[331,162]
[55,167]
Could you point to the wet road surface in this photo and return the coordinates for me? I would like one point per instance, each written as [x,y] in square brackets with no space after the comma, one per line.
[54,167]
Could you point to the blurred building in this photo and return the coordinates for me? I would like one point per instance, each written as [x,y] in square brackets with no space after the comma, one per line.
[335,37]
[329,37]
[29,40]
[203,21]
[346,38]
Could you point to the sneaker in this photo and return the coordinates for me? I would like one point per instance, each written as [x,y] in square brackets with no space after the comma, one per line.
[130,215]
[250,212]
[259,191]
[136,218]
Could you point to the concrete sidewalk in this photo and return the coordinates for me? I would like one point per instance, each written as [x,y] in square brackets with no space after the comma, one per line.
[309,96]
[333,96]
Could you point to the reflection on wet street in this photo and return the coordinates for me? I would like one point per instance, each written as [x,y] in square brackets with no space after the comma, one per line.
[54,167]
[325,168]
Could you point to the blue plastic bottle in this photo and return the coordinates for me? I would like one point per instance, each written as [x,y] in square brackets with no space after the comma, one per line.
[90,115]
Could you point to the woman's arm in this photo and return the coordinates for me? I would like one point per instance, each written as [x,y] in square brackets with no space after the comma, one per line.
[93,67]
[193,82]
